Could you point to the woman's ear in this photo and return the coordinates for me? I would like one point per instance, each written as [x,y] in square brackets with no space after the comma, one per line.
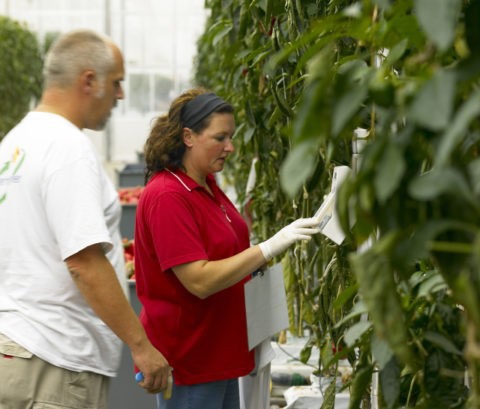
[187,137]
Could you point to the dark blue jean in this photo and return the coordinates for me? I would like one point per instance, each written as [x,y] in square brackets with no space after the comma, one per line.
[211,395]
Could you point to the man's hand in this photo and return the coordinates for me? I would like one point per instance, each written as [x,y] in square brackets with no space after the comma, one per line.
[154,367]
[96,280]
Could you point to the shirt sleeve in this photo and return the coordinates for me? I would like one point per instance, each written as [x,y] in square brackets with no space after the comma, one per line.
[73,205]
[176,235]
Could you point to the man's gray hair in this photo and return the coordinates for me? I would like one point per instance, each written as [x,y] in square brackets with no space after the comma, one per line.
[75,52]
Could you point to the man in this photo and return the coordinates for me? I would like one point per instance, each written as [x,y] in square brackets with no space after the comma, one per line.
[62,280]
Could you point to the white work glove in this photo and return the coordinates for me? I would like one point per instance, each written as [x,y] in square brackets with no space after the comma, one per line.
[300,229]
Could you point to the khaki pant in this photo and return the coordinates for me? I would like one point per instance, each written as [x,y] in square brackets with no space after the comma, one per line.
[28,382]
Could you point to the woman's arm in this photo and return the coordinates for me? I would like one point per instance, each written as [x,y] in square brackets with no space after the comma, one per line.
[204,278]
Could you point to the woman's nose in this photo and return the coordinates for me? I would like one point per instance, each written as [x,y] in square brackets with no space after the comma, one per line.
[229,146]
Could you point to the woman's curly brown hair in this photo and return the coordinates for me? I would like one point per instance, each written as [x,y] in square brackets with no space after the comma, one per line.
[164,147]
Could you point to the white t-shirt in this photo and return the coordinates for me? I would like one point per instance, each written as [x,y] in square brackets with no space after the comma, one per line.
[55,200]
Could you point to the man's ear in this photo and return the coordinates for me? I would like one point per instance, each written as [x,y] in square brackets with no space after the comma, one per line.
[187,137]
[89,80]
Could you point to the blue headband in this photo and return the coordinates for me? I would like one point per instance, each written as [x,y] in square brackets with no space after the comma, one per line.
[199,108]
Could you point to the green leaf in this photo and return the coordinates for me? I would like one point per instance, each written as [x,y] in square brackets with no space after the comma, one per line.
[441,181]
[351,89]
[305,353]
[307,123]
[443,342]
[378,288]
[346,295]
[456,132]
[474,173]
[444,381]
[432,107]
[258,54]
[472,28]
[345,107]
[248,133]
[389,378]
[395,53]
[389,172]
[219,30]
[383,4]
[362,378]
[329,395]
[297,168]
[462,284]
[382,353]
[326,354]
[355,332]
[418,245]
[358,309]
[273,8]
[438,18]
[431,285]
[404,25]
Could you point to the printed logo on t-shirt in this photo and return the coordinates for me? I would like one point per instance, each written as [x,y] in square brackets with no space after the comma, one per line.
[9,172]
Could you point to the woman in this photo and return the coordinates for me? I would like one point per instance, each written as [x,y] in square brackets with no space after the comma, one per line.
[193,254]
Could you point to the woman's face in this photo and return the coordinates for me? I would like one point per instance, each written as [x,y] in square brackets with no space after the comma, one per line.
[208,149]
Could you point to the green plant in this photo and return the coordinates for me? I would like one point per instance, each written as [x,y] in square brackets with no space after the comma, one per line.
[20,72]
[247,36]
[304,75]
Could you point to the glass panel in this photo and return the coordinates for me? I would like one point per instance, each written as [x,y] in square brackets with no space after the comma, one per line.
[139,92]
[163,89]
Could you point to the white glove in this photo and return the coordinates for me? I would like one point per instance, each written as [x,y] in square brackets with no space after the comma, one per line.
[300,229]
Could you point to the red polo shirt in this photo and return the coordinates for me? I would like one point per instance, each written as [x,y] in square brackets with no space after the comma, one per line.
[178,221]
